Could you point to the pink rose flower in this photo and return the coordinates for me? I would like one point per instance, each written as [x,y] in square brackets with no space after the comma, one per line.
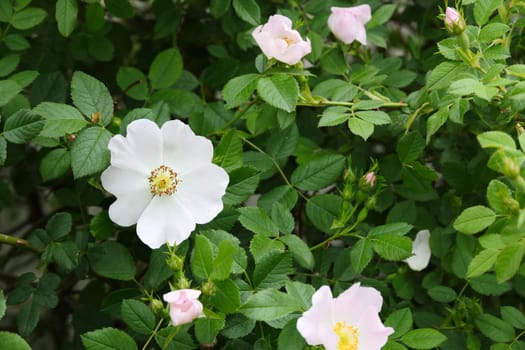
[370,179]
[453,21]
[348,23]
[184,305]
[350,321]
[278,40]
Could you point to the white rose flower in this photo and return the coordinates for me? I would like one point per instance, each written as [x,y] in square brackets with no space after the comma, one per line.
[164,181]
[420,251]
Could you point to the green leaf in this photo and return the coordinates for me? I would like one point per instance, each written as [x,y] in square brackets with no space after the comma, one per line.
[423,338]
[8,65]
[322,210]
[108,339]
[268,304]
[65,254]
[500,198]
[284,194]
[381,15]
[300,250]
[138,316]
[28,18]
[256,220]
[59,225]
[227,297]
[91,97]
[513,316]
[243,182]
[319,172]
[66,16]
[333,116]
[361,254]
[495,328]
[112,260]
[55,164]
[492,31]
[13,341]
[6,11]
[392,247]
[239,90]
[222,264]
[206,329]
[158,271]
[374,117]
[89,152]
[282,143]
[290,338]
[443,75]
[361,127]
[22,126]
[496,139]
[394,228]
[508,261]
[474,219]
[133,82]
[248,11]
[484,9]
[442,294]
[272,270]
[3,150]
[8,90]
[2,304]
[401,321]
[166,68]
[219,7]
[482,262]
[410,147]
[120,8]
[436,121]
[279,90]
[202,257]
[228,154]
[282,218]
[27,318]
[261,245]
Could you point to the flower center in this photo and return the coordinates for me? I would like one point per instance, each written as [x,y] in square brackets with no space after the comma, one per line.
[163,181]
[288,41]
[348,336]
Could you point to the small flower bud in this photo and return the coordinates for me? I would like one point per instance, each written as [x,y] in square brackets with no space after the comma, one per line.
[370,179]
[454,22]
[157,306]
[208,288]
[511,169]
[174,262]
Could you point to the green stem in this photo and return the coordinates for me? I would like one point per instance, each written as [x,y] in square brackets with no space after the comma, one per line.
[347,104]
[413,116]
[17,242]
[237,116]
[152,334]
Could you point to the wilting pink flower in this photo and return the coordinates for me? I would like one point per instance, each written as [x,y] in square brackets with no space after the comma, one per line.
[420,251]
[278,40]
[453,21]
[370,179]
[348,23]
[184,305]
[350,321]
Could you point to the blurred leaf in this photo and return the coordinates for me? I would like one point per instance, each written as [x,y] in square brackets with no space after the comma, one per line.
[3,150]
[158,270]
[108,339]
[54,164]
[133,82]
[66,16]
[165,68]
[500,198]
[120,8]
[28,18]
[8,90]
[513,316]
[484,9]
[6,11]
[8,64]
[27,318]
[410,147]
[279,90]
[219,7]
[59,225]
[202,258]
[138,316]
[496,139]
[65,254]
[89,152]
[13,341]
[248,11]
[2,304]
[442,294]
[381,15]
[112,260]
[91,96]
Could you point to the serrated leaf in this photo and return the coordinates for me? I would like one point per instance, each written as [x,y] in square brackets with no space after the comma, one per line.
[482,262]
[8,90]
[89,151]
[22,126]
[282,218]
[474,219]
[322,210]
[91,97]
[272,270]
[66,16]
[8,65]
[401,321]
[360,127]
[443,75]
[279,90]
[27,318]
[410,147]
[55,164]
[261,244]
[60,119]
[318,172]
[374,117]
[248,11]
[436,121]
[508,261]
[166,68]
[423,338]
[243,183]
[300,250]
[392,247]
[495,328]
[257,220]
[361,254]
[268,304]
[59,225]
[112,260]
[227,297]
[484,9]
[228,154]
[65,254]
[222,264]
[333,116]
[239,89]
[138,316]
[202,257]
[13,341]
[108,339]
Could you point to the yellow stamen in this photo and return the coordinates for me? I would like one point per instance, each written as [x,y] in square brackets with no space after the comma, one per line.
[163,181]
[288,41]
[348,336]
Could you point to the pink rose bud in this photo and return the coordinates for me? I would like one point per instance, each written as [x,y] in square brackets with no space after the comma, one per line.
[454,22]
[278,40]
[184,305]
[348,23]
[370,178]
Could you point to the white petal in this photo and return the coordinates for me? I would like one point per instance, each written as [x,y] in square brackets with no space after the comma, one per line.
[421,251]
[126,210]
[164,220]
[140,150]
[118,181]
[314,325]
[183,150]
[201,192]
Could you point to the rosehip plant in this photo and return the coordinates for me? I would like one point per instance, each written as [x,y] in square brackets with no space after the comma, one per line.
[250,174]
